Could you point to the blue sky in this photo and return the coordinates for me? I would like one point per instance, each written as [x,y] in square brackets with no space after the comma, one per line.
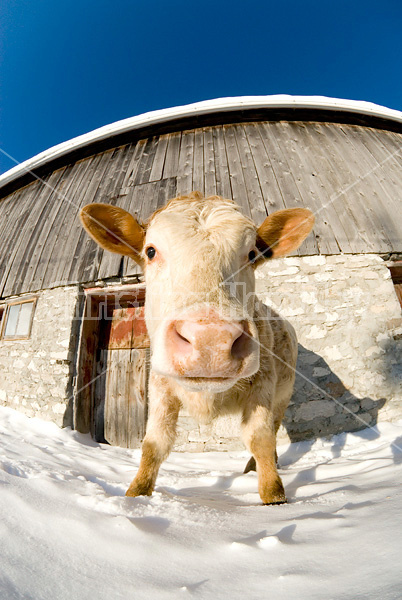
[67,67]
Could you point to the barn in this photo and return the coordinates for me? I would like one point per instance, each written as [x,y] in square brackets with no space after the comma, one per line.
[73,344]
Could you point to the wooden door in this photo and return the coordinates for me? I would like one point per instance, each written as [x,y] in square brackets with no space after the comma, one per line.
[120,395]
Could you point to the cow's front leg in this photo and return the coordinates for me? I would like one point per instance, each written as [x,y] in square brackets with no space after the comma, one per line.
[260,439]
[159,438]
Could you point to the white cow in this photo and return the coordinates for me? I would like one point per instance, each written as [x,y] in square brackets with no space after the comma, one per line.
[215,349]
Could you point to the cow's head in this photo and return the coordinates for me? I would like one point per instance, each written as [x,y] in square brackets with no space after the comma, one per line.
[198,256]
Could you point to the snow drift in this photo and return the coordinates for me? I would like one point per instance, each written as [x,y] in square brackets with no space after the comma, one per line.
[68,532]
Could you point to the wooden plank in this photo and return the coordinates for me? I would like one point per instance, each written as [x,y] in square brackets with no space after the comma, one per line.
[149,198]
[113,384]
[127,328]
[186,162]
[172,156]
[87,260]
[65,191]
[393,140]
[326,173]
[159,194]
[271,192]
[159,158]
[118,386]
[132,168]
[134,204]
[222,177]
[121,330]
[198,164]
[171,189]
[10,214]
[398,292]
[344,194]
[286,181]
[125,399]
[137,397]
[307,185]
[140,338]
[99,394]
[379,177]
[142,163]
[111,263]
[386,146]
[386,167]
[43,215]
[209,163]
[18,256]
[86,367]
[164,191]
[365,212]
[146,198]
[69,228]
[17,219]
[328,227]
[250,176]
[146,164]
[278,159]
[237,183]
[65,227]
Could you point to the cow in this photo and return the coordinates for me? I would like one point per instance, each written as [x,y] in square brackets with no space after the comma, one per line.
[215,348]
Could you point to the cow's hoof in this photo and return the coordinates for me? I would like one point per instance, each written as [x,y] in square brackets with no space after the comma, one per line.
[136,489]
[274,493]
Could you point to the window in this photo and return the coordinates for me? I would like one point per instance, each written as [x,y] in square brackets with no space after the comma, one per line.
[2,311]
[18,320]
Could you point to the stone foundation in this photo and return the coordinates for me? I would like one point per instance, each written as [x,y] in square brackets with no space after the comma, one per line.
[36,374]
[349,370]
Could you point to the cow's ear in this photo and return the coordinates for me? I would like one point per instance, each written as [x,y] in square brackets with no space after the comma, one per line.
[113,229]
[283,231]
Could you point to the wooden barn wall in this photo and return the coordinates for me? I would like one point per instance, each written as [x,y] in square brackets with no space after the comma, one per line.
[349,175]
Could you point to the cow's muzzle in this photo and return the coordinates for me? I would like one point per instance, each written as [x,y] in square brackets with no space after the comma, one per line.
[204,345]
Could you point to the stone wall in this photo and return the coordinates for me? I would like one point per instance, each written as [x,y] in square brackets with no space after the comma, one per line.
[36,374]
[349,369]
[349,326]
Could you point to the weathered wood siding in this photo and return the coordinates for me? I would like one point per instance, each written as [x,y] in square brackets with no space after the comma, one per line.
[349,175]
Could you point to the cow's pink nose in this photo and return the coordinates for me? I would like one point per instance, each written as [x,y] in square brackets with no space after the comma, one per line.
[207,348]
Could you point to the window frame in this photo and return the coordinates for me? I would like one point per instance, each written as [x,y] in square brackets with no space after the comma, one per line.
[3,312]
[396,276]
[11,338]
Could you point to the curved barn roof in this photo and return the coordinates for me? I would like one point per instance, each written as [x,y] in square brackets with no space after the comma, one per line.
[340,158]
[355,110]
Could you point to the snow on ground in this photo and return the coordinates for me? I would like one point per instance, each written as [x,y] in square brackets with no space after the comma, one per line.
[68,532]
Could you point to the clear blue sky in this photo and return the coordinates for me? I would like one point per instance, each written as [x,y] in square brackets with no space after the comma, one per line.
[67,67]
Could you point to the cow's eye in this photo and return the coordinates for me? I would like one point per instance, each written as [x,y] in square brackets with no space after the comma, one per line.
[252,256]
[150,252]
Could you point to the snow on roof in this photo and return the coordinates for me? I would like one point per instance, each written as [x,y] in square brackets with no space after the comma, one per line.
[199,108]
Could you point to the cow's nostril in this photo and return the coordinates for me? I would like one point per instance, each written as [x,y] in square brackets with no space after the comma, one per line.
[182,344]
[241,346]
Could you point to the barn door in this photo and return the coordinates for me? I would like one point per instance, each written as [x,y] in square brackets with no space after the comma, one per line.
[120,394]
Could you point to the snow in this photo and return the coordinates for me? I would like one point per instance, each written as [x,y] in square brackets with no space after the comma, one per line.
[199,108]
[68,532]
